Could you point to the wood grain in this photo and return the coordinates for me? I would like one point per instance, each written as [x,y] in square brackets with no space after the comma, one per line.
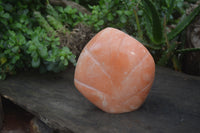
[173,105]
[1,113]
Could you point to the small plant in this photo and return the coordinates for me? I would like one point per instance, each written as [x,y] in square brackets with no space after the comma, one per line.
[68,16]
[111,13]
[29,40]
[156,23]
[161,40]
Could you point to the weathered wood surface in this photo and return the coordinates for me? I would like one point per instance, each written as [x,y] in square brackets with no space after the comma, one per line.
[173,105]
[1,114]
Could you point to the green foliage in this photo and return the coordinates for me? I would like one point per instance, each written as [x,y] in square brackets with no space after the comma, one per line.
[153,16]
[51,11]
[186,50]
[29,40]
[30,29]
[42,21]
[184,23]
[111,13]
[167,55]
[86,3]
[155,26]
[168,48]
[150,21]
[69,16]
[56,24]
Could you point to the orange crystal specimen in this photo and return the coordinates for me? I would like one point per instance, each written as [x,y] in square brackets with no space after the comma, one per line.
[114,71]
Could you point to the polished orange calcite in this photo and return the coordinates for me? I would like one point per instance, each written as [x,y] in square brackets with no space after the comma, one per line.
[114,71]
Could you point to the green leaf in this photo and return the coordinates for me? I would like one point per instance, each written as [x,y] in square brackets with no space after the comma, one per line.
[15,59]
[101,22]
[128,13]
[67,9]
[50,66]
[6,15]
[8,7]
[153,47]
[72,59]
[3,60]
[157,30]
[184,23]
[123,19]
[170,9]
[43,52]
[42,21]
[60,9]
[12,33]
[187,50]
[66,50]
[51,11]
[65,62]
[148,26]
[34,54]
[62,58]
[32,48]
[110,17]
[15,49]
[59,67]
[21,39]
[119,12]
[35,62]
[166,55]
[56,24]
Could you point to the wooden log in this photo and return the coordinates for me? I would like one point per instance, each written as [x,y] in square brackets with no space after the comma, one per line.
[1,113]
[37,126]
[171,107]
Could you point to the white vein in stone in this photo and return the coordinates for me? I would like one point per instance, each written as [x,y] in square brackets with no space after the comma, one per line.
[97,63]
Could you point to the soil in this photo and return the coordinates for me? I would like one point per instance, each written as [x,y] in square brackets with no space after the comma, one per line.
[77,38]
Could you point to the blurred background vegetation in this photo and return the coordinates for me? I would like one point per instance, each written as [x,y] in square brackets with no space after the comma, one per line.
[37,34]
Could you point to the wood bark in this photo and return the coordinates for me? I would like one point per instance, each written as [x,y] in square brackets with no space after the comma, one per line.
[1,113]
[171,107]
[37,126]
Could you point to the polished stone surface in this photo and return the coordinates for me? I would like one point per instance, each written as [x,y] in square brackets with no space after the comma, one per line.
[114,71]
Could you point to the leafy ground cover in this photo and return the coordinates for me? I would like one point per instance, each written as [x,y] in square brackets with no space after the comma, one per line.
[29,36]
[32,31]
